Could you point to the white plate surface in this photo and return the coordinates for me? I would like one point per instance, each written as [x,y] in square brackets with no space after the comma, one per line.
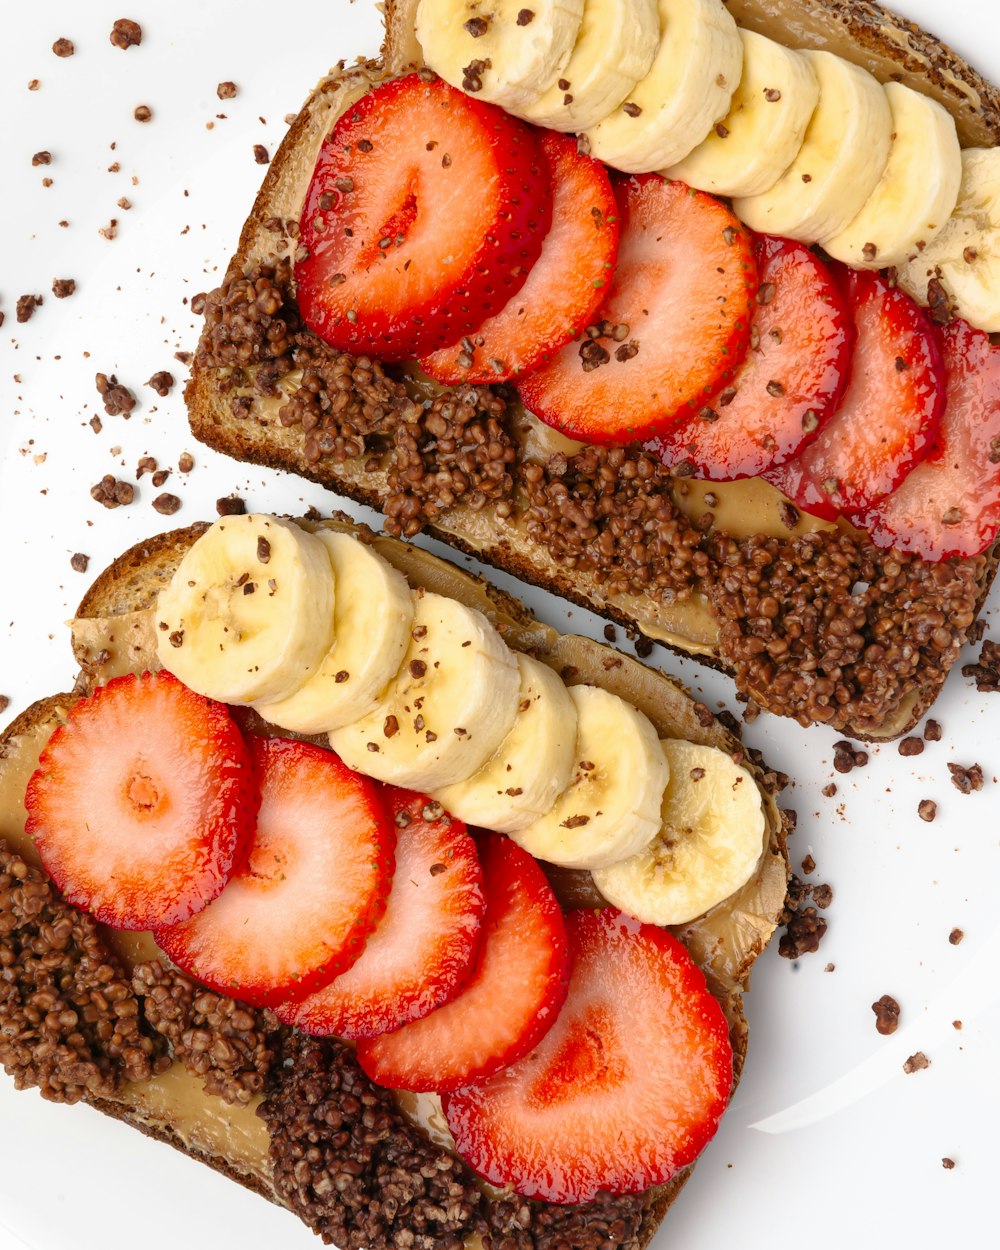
[827,1143]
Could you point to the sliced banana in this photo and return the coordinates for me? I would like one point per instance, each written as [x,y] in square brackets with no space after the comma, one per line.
[760,136]
[611,807]
[711,840]
[842,158]
[917,192]
[966,254]
[451,704]
[249,613]
[613,51]
[532,765]
[373,615]
[688,89]
[506,51]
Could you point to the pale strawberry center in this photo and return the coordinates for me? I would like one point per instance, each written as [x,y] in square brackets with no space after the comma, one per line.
[591,1057]
[143,794]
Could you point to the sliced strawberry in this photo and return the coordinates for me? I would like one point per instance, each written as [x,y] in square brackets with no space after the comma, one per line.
[566,284]
[424,947]
[949,505]
[675,325]
[790,379]
[142,801]
[425,212]
[508,1003]
[889,415]
[624,1090]
[313,887]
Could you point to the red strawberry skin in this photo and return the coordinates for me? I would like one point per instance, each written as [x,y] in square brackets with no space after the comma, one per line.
[424,947]
[509,1002]
[425,212]
[888,417]
[789,382]
[949,505]
[566,285]
[624,1090]
[142,828]
[675,325]
[313,886]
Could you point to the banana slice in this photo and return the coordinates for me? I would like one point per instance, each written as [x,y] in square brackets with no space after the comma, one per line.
[966,254]
[711,841]
[843,155]
[687,90]
[450,705]
[373,615]
[505,51]
[613,51]
[533,763]
[762,133]
[611,807]
[249,613]
[917,192]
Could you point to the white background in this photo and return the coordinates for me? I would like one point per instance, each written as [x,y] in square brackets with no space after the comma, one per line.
[827,1142]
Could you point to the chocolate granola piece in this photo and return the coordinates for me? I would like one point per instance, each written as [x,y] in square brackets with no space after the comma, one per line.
[886,1014]
[26,305]
[79,562]
[916,1063]
[226,90]
[955,936]
[229,1045]
[166,504]
[63,47]
[261,154]
[185,462]
[927,810]
[126,34]
[142,113]
[230,505]
[118,399]
[352,1166]
[112,492]
[966,780]
[985,673]
[932,731]
[69,1020]
[63,287]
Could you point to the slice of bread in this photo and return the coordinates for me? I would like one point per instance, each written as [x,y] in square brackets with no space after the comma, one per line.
[877,687]
[113,633]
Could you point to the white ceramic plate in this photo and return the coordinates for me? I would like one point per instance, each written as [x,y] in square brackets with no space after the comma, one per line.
[827,1141]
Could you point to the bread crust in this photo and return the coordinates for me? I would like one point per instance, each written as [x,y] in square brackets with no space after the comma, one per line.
[726,942]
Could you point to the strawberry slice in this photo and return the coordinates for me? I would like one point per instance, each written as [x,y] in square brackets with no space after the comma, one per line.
[890,412]
[623,1091]
[424,946]
[675,325]
[425,212]
[313,887]
[142,828]
[949,505]
[790,379]
[508,1003]
[566,284]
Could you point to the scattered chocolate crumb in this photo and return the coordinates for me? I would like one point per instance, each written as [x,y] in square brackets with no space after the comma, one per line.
[161,382]
[261,154]
[230,505]
[185,462]
[159,477]
[956,1024]
[96,424]
[916,1063]
[829,790]
[4,703]
[932,731]
[118,399]
[822,894]
[955,936]
[911,746]
[886,1015]
[166,504]
[226,90]
[477,26]
[110,231]
[803,934]
[947,1163]
[525,17]
[63,287]
[42,158]
[927,809]
[966,780]
[63,47]
[985,673]
[112,492]
[142,113]
[808,865]
[126,34]
[26,306]
[33,84]
[79,562]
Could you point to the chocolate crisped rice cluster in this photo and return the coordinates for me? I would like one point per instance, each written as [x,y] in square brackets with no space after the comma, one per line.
[457,450]
[609,511]
[69,1020]
[350,1164]
[833,629]
[609,1222]
[229,1045]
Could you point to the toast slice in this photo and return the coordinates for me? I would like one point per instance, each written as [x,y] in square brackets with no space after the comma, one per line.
[876,687]
[155,1083]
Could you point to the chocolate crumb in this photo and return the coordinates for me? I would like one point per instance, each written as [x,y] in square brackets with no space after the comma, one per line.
[112,492]
[63,287]
[166,504]
[916,1063]
[26,306]
[966,780]
[230,505]
[947,1163]
[126,34]
[927,809]
[829,790]
[41,158]
[142,113]
[886,1015]
[161,382]
[525,17]
[79,562]
[226,90]
[4,703]
[808,865]
[932,731]
[118,399]
[64,47]
[985,673]
[955,936]
[911,746]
